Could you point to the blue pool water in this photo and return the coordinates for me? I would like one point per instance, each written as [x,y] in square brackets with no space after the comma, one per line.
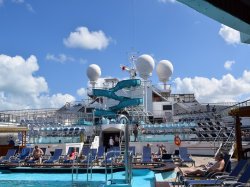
[142,177]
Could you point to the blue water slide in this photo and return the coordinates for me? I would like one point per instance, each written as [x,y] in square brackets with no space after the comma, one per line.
[127,103]
[126,84]
[109,94]
[100,112]
[124,101]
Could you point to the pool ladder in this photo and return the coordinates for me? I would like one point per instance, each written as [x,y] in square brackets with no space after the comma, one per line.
[89,167]
[74,167]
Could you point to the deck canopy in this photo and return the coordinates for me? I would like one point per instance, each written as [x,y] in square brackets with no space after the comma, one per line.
[9,129]
[241,112]
[233,13]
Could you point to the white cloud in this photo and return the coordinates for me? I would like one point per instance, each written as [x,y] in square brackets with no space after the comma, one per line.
[228,64]
[1,2]
[59,58]
[167,1]
[82,92]
[230,35]
[18,1]
[82,61]
[20,89]
[226,89]
[27,5]
[83,38]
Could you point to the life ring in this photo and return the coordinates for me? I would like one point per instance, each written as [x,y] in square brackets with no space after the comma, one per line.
[177,140]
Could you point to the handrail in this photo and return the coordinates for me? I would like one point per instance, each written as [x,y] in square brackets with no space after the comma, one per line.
[216,140]
[72,172]
[88,166]
[106,173]
[76,170]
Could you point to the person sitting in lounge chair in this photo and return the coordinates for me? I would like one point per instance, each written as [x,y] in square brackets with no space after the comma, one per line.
[73,154]
[37,154]
[202,170]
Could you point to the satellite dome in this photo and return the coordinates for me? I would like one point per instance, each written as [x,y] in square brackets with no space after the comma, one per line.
[93,72]
[145,65]
[164,70]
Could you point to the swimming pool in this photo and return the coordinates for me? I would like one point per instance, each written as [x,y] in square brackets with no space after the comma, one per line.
[141,177]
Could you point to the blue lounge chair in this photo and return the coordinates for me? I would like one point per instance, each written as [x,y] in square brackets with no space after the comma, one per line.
[100,152]
[55,157]
[111,157]
[91,157]
[234,173]
[227,168]
[242,180]
[8,156]
[132,150]
[23,155]
[85,151]
[184,157]
[146,154]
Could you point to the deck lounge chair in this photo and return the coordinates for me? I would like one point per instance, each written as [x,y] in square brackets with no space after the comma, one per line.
[184,157]
[146,154]
[33,161]
[22,156]
[132,150]
[110,157]
[66,159]
[8,156]
[55,157]
[232,175]
[85,151]
[242,180]
[100,152]
[91,157]
[227,168]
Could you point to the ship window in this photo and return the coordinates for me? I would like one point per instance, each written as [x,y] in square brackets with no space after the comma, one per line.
[167,107]
[89,110]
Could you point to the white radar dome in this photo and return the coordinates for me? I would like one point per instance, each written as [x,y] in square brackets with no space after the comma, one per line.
[164,70]
[93,72]
[145,65]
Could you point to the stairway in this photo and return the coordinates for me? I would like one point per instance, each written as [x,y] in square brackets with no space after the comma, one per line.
[122,147]
[228,146]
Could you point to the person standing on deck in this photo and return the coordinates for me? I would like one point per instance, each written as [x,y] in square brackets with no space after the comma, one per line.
[135,132]
[116,140]
[111,142]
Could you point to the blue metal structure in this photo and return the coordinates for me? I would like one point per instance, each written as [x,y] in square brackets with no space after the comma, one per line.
[123,101]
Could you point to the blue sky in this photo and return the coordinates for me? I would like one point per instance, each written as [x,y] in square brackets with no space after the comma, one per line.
[46,47]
